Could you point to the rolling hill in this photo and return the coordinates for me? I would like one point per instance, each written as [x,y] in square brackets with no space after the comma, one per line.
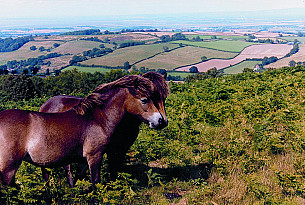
[225,51]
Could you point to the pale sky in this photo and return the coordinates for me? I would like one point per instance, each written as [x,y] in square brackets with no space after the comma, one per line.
[72,8]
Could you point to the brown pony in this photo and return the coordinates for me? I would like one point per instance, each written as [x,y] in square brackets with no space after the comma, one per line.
[125,132]
[77,135]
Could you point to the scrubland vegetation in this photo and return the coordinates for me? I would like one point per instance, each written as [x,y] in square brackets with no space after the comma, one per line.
[236,139]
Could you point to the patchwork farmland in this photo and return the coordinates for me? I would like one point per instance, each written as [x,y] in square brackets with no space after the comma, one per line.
[251,52]
[230,52]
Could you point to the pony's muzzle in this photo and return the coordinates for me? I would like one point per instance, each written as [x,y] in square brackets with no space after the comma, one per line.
[157,121]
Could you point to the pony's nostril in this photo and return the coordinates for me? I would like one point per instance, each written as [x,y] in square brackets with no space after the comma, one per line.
[161,121]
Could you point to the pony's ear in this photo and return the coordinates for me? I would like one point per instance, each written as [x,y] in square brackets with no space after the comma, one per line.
[164,76]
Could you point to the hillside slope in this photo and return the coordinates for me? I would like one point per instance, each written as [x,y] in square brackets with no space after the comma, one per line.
[236,139]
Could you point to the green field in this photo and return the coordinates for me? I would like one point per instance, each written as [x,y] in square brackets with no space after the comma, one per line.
[222,45]
[233,37]
[206,37]
[77,47]
[238,68]
[292,38]
[183,75]
[131,54]
[87,69]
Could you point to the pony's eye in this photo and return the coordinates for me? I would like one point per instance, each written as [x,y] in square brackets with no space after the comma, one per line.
[144,100]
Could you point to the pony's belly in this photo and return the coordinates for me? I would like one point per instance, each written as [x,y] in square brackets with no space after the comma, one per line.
[52,155]
[53,161]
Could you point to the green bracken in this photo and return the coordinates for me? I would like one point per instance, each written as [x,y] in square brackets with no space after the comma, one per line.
[236,139]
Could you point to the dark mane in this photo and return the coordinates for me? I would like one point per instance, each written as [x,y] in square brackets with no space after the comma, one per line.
[137,86]
[159,82]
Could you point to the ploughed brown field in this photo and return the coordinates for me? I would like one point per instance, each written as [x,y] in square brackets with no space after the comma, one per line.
[251,52]
[298,57]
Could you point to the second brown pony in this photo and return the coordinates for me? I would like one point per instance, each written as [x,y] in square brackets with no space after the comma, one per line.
[125,132]
[77,135]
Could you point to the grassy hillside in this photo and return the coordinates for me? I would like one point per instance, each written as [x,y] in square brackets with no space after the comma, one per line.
[238,68]
[183,56]
[170,56]
[87,69]
[207,37]
[236,139]
[25,52]
[222,45]
[131,54]
[77,47]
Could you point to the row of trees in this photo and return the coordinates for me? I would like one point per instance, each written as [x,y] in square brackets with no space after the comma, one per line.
[84,32]
[138,30]
[32,63]
[269,60]
[23,87]
[131,43]
[90,32]
[42,48]
[294,50]
[10,44]
[96,39]
[95,52]
[98,31]
[175,37]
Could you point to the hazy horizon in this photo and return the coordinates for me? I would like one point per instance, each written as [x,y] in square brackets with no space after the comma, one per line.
[103,8]
[23,17]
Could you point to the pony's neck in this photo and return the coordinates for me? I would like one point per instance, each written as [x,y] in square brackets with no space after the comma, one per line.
[112,113]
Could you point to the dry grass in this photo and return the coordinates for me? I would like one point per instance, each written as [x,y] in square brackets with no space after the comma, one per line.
[76,47]
[56,63]
[24,52]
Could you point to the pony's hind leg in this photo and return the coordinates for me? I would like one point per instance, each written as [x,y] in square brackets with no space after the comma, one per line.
[8,169]
[8,176]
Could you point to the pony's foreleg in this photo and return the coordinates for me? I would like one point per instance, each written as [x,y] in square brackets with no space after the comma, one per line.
[45,174]
[115,163]
[69,175]
[80,171]
[94,163]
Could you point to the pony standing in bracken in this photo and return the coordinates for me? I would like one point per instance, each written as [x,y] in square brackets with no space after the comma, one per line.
[78,135]
[125,132]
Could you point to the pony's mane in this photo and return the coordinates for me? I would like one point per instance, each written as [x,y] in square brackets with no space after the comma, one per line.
[161,87]
[137,86]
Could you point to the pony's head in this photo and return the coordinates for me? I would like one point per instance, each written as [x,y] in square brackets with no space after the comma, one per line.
[143,101]
[161,91]
[138,94]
